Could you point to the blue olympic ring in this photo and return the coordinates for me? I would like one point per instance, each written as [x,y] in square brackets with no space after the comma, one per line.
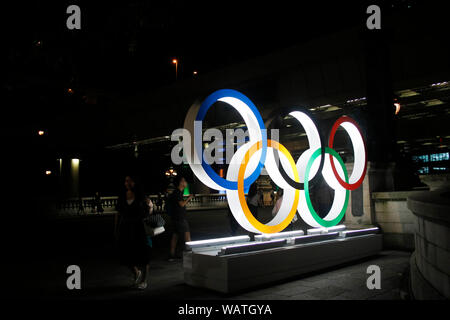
[207,103]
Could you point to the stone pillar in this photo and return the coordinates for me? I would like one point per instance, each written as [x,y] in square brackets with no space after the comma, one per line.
[379,114]
[377,123]
[361,208]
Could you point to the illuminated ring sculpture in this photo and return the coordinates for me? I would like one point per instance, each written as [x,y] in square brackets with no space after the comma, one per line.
[238,204]
[248,161]
[359,150]
[341,195]
[314,141]
[257,132]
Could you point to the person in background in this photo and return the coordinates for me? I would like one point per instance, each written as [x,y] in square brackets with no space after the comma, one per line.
[92,202]
[277,207]
[98,203]
[158,203]
[277,204]
[253,199]
[80,206]
[177,211]
[272,197]
[166,200]
[261,198]
[134,245]
[150,204]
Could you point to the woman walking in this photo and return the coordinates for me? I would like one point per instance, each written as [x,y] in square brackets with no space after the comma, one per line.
[134,245]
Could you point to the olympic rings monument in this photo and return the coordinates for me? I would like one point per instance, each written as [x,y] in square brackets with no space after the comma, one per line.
[236,263]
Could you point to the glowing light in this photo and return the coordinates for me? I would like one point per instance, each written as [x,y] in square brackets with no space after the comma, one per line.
[247,163]
[256,129]
[439,84]
[171,172]
[48,172]
[175,62]
[356,100]
[280,235]
[239,207]
[397,107]
[341,194]
[359,150]
[217,242]
[41,132]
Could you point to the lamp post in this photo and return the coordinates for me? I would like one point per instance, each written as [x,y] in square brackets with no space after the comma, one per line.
[175,62]
[171,174]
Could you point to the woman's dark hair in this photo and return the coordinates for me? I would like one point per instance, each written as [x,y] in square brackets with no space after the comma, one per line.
[177,181]
[137,190]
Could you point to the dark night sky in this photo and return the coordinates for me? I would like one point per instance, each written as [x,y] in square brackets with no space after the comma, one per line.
[204,35]
[44,58]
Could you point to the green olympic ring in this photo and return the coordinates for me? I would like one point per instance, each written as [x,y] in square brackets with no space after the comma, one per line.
[319,220]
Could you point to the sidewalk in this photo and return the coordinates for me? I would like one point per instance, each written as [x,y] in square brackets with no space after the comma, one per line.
[89,243]
[106,280]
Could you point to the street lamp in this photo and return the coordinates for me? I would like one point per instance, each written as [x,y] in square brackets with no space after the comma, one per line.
[175,62]
[171,173]
[397,107]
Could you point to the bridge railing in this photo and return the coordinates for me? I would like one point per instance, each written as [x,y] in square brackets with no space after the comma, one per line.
[88,205]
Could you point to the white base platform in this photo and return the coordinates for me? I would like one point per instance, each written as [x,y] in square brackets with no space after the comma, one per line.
[235,272]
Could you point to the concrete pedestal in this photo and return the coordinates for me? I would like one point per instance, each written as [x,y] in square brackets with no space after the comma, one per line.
[235,272]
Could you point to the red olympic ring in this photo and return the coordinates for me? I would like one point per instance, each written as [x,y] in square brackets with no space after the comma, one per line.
[348,186]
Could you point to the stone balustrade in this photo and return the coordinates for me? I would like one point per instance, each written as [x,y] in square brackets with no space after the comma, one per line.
[430,263]
[72,206]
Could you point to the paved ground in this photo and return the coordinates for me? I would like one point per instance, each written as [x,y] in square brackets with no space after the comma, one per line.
[89,244]
[105,280]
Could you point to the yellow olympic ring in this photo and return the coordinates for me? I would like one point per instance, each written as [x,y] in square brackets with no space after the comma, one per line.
[255,223]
